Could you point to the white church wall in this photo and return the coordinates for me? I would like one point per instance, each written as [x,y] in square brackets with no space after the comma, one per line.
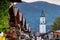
[42,29]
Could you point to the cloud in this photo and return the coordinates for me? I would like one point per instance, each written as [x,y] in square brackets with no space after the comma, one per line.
[30,0]
[27,0]
[57,2]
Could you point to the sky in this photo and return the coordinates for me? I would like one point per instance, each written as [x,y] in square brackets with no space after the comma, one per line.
[57,2]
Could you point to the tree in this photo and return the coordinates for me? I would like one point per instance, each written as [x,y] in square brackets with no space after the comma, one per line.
[56,24]
[4,6]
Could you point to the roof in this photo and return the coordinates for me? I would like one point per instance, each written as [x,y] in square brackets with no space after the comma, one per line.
[15,11]
[42,14]
[57,31]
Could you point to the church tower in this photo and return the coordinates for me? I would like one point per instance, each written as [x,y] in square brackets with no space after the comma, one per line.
[42,26]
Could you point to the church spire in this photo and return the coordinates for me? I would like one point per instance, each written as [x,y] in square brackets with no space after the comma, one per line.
[42,26]
[42,14]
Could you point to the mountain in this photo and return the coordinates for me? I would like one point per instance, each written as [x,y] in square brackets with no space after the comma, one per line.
[32,11]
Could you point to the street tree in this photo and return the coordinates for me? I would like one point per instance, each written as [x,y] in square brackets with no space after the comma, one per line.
[56,24]
[4,6]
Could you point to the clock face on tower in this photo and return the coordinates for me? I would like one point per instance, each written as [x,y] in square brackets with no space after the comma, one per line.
[42,20]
